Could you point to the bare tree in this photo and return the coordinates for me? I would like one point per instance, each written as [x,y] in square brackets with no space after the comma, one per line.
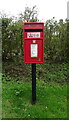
[29,14]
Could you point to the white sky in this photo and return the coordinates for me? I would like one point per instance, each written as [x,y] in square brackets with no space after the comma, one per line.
[47,9]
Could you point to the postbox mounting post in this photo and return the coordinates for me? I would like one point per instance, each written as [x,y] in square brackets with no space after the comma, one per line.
[33,83]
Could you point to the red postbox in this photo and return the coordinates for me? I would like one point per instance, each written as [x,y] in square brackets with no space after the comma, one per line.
[33,42]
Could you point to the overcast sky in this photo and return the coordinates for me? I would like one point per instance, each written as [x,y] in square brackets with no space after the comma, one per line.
[47,9]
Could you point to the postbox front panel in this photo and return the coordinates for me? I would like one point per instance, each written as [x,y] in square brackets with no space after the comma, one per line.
[33,42]
[33,51]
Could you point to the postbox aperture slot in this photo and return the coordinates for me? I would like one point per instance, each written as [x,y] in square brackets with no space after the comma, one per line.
[33,30]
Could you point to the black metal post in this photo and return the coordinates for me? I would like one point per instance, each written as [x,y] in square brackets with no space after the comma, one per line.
[33,83]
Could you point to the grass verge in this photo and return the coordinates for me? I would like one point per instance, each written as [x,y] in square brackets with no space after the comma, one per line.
[51,100]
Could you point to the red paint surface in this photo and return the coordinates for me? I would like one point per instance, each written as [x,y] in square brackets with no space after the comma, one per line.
[33,27]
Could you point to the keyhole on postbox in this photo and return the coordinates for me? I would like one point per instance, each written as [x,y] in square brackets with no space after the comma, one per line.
[34,41]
